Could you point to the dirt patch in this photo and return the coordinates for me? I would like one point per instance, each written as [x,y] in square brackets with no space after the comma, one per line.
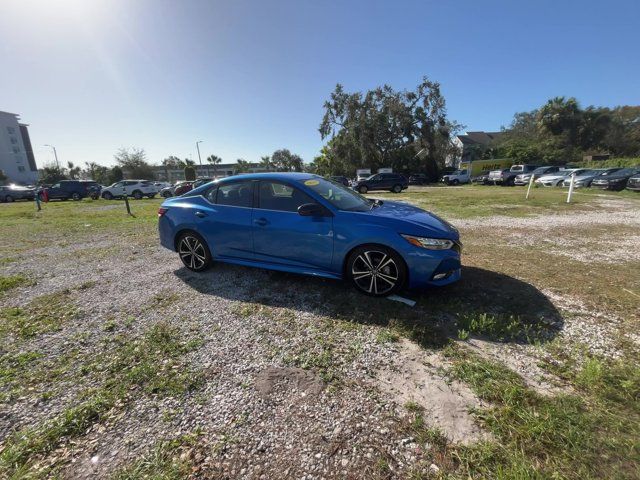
[420,377]
[276,378]
[519,359]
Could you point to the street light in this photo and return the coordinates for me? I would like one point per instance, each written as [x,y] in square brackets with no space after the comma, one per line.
[199,157]
[55,154]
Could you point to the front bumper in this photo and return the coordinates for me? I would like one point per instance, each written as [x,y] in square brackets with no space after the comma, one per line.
[433,268]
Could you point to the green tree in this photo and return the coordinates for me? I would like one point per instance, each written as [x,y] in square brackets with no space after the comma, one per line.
[242,166]
[134,162]
[3,177]
[115,175]
[189,173]
[285,161]
[73,171]
[265,162]
[215,161]
[51,174]
[171,163]
[387,128]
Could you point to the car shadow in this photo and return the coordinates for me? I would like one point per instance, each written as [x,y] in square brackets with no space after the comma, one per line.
[483,304]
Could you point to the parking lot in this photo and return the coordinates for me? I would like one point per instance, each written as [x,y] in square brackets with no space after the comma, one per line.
[117,361]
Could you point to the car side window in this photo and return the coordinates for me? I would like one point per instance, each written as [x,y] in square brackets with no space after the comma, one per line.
[281,197]
[211,194]
[237,194]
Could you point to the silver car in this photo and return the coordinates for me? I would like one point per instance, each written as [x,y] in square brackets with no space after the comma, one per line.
[585,178]
[11,193]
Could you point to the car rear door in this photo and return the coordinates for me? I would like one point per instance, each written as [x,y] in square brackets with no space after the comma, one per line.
[223,218]
[282,236]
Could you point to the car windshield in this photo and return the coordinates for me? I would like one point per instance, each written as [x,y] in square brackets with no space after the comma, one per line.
[586,173]
[540,170]
[625,171]
[338,195]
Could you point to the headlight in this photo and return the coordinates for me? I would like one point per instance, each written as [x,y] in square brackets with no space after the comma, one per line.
[429,243]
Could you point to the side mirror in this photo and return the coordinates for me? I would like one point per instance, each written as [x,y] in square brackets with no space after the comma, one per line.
[311,210]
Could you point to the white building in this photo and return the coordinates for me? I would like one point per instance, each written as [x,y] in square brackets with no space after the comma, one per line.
[17,162]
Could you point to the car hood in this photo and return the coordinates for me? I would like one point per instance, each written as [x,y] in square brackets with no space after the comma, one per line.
[408,213]
[552,177]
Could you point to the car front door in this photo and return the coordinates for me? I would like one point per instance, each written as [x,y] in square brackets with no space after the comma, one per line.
[282,236]
[223,218]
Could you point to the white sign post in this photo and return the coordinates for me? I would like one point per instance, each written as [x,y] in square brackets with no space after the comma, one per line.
[573,178]
[529,187]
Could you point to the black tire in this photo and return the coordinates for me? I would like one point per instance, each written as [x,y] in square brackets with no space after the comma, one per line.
[151,196]
[363,189]
[166,194]
[8,199]
[396,188]
[107,196]
[376,270]
[75,196]
[193,251]
[454,182]
[137,195]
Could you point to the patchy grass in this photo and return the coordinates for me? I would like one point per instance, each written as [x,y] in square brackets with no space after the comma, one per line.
[565,436]
[47,313]
[13,281]
[150,364]
[500,327]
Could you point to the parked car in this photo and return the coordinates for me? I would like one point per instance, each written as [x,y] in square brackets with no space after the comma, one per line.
[130,188]
[617,180]
[584,179]
[556,179]
[508,176]
[634,183]
[302,223]
[456,178]
[182,188]
[340,179]
[482,178]
[525,178]
[418,179]
[393,182]
[11,193]
[495,176]
[67,189]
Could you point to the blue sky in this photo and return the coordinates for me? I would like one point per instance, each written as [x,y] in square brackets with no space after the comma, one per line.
[248,77]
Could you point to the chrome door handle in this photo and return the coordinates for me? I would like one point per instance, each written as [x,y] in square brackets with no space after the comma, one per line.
[261,221]
[200,214]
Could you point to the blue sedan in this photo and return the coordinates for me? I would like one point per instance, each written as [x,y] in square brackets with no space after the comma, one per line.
[302,223]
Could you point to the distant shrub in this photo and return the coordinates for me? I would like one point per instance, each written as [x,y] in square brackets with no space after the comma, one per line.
[611,163]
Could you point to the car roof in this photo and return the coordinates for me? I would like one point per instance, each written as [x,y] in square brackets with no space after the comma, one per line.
[270,176]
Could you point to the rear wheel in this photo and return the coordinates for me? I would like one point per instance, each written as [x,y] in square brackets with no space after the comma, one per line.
[137,195]
[376,270]
[363,189]
[75,196]
[396,188]
[194,252]
[107,196]
[8,199]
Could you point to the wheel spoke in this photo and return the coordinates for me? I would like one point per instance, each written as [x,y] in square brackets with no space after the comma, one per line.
[371,284]
[365,261]
[364,275]
[380,262]
[375,284]
[387,280]
[369,262]
[387,277]
[382,265]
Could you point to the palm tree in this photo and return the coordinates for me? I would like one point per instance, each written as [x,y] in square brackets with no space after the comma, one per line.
[265,162]
[242,166]
[91,169]
[73,170]
[215,161]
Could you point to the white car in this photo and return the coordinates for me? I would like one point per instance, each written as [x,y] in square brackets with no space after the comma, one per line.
[130,188]
[556,179]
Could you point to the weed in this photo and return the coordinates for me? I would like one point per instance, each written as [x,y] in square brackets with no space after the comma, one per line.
[13,281]
[45,314]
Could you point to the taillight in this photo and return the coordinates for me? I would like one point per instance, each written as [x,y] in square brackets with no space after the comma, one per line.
[162,211]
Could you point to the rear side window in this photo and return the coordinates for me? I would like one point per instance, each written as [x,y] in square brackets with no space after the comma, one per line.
[239,194]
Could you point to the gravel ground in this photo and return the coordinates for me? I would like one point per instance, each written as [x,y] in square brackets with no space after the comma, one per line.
[288,391]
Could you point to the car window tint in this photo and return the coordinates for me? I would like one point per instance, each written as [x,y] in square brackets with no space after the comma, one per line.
[278,196]
[211,194]
[239,194]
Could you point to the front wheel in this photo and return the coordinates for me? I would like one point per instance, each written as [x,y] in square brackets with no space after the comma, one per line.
[194,252]
[137,195]
[396,188]
[75,196]
[363,189]
[376,270]
[8,199]
[107,196]
[151,196]
[454,182]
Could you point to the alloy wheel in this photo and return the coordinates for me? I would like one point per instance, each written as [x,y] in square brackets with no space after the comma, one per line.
[192,252]
[375,272]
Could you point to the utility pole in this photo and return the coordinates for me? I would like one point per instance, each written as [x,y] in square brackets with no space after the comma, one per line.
[199,157]
[55,154]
